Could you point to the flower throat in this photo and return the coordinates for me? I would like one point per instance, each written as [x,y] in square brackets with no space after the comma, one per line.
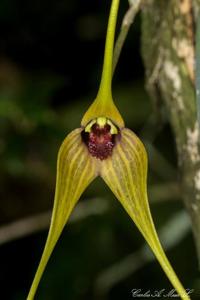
[100,137]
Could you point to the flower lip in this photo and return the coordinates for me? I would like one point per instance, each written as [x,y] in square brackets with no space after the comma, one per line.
[100,137]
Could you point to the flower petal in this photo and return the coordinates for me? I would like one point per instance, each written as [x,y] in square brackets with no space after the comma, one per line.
[103,106]
[75,170]
[125,173]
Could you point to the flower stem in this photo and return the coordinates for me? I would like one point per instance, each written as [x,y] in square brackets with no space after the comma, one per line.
[103,105]
[128,19]
[106,79]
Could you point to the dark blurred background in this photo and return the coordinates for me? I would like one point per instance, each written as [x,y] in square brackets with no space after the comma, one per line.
[50,64]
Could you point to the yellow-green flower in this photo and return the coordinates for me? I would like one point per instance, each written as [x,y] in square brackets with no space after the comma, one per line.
[103,147]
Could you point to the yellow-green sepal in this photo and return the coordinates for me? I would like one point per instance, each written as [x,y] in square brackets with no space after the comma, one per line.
[75,170]
[125,173]
[104,106]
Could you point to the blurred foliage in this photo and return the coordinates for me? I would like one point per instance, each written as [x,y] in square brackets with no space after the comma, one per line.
[50,61]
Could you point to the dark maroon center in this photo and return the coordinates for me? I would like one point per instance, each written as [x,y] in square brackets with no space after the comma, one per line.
[100,141]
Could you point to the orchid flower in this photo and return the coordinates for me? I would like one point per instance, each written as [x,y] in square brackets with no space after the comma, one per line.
[104,147]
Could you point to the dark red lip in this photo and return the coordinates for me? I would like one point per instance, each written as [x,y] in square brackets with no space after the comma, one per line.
[100,141]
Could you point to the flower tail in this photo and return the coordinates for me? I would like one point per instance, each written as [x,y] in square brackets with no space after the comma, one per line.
[75,171]
[125,173]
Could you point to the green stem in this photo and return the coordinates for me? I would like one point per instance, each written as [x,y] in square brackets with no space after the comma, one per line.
[106,79]
[103,105]
[126,24]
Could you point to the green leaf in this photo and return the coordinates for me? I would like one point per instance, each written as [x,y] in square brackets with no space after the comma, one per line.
[75,170]
[125,173]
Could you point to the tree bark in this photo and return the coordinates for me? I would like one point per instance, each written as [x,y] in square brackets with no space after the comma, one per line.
[168,41]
